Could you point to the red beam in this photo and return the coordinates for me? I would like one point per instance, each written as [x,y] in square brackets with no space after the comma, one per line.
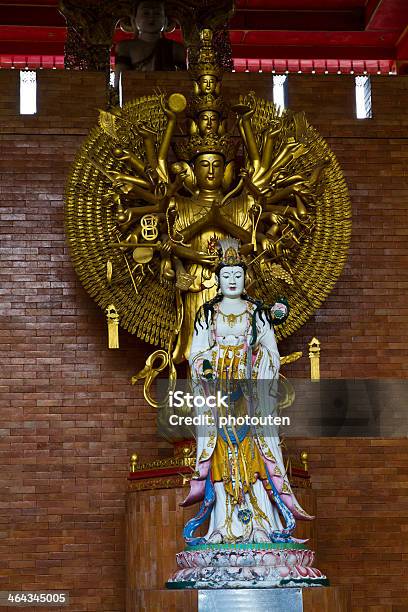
[26,35]
[322,20]
[315,39]
[389,15]
[241,65]
[42,16]
[13,42]
[31,48]
[56,47]
[294,52]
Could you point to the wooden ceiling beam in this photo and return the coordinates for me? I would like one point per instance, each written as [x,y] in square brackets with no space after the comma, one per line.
[300,21]
[313,52]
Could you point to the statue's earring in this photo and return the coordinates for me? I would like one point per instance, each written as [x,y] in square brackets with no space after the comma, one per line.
[170,26]
[126,25]
[228,175]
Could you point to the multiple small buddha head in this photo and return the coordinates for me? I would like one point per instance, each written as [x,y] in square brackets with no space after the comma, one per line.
[209,151]
[207,108]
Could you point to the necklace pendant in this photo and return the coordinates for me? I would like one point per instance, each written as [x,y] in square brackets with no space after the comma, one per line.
[231,320]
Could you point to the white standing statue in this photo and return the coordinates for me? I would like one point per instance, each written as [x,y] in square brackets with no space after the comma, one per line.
[247,487]
[240,477]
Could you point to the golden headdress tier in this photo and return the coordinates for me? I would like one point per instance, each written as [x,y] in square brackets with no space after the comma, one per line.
[209,102]
[206,63]
[228,251]
[210,143]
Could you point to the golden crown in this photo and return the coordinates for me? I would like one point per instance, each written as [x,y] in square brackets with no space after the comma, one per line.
[207,102]
[227,250]
[210,143]
[210,68]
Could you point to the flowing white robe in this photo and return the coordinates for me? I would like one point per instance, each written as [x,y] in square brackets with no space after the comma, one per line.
[259,364]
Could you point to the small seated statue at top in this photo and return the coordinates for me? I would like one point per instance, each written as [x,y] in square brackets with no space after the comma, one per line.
[149,50]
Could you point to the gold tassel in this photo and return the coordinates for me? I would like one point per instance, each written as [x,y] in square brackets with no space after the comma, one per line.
[314,356]
[113,326]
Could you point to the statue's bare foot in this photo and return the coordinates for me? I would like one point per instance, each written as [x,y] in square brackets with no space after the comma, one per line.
[215,538]
[260,535]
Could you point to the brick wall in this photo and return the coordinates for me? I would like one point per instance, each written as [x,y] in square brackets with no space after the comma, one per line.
[70,418]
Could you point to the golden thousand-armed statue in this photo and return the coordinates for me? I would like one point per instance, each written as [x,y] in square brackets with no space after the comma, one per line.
[146,206]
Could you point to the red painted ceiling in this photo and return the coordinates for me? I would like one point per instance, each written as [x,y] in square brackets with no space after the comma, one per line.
[373,31]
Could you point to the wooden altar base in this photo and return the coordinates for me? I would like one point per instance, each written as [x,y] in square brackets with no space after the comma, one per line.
[154,530]
[154,526]
[316,599]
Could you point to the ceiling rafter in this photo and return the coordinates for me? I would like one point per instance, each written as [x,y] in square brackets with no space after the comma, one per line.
[371,9]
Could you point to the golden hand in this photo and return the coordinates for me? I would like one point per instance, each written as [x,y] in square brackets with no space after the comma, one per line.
[188,253]
[170,114]
[207,260]
[122,185]
[167,247]
[277,218]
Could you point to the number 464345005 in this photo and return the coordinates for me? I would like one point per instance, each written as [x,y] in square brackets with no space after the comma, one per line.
[23,598]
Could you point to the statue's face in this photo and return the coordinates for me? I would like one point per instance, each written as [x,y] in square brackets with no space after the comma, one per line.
[150,17]
[206,35]
[207,84]
[208,122]
[232,281]
[209,171]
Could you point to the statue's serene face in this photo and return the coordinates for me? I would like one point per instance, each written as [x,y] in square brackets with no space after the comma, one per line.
[232,281]
[150,17]
[206,35]
[209,171]
[208,122]
[207,84]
